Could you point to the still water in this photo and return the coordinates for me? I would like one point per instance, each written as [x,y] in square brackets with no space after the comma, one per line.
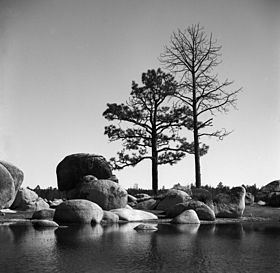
[119,248]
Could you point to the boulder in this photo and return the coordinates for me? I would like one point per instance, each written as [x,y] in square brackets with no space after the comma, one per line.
[43,214]
[146,227]
[274,199]
[203,211]
[230,205]
[261,203]
[172,198]
[44,224]
[74,167]
[78,211]
[249,199]
[146,205]
[28,200]
[110,217]
[266,191]
[132,215]
[106,193]
[186,217]
[11,179]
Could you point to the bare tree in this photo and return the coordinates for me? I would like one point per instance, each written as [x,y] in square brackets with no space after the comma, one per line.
[193,55]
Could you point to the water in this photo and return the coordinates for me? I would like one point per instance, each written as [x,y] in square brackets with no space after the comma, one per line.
[119,248]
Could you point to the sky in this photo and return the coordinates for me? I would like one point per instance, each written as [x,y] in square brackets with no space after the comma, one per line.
[62,61]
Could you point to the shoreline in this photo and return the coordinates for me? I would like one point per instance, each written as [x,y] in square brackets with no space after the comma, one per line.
[252,214]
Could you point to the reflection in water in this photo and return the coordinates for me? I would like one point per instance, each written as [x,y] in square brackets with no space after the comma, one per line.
[119,248]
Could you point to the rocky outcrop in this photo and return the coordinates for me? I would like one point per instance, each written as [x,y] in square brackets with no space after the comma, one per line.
[28,200]
[230,205]
[43,214]
[132,215]
[74,167]
[78,211]
[106,193]
[172,198]
[186,217]
[11,179]
[203,211]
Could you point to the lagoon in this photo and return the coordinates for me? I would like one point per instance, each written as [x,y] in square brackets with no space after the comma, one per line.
[238,247]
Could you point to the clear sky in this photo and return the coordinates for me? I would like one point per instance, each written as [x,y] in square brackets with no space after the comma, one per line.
[61,61]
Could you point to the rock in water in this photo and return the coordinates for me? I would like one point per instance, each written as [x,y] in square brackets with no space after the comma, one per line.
[106,193]
[172,198]
[78,211]
[186,217]
[134,215]
[230,205]
[11,179]
[73,167]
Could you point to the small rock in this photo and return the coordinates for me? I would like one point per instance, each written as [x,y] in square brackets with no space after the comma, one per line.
[261,203]
[186,217]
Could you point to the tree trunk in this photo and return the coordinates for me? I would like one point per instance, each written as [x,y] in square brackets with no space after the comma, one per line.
[197,159]
[154,166]
[195,134]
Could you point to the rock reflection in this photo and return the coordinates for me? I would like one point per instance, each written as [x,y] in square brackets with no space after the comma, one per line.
[234,231]
[78,234]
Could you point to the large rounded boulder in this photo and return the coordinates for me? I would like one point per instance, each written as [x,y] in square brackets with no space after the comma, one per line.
[11,179]
[106,193]
[230,205]
[74,167]
[78,211]
[172,198]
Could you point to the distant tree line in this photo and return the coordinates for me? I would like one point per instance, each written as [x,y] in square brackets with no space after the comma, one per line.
[51,193]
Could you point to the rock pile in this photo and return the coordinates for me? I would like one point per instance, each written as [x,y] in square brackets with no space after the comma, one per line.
[89,176]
